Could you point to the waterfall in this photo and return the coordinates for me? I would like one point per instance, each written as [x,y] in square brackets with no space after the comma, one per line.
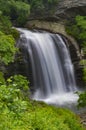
[52,69]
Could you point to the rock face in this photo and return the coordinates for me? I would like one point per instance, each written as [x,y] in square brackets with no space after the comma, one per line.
[70,8]
[54,27]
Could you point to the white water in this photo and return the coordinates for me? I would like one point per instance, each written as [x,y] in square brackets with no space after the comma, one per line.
[52,69]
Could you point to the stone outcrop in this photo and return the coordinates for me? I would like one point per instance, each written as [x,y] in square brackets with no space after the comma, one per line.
[70,8]
[54,27]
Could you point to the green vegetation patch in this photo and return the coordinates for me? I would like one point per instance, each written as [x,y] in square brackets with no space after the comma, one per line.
[43,7]
[18,112]
[7,48]
[17,10]
[77,28]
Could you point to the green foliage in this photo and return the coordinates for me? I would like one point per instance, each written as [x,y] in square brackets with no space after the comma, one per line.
[11,96]
[23,85]
[13,105]
[37,6]
[77,29]
[2,80]
[40,118]
[50,118]
[83,64]
[81,22]
[6,27]
[4,7]
[5,24]
[14,33]
[42,7]
[18,10]
[19,81]
[7,49]
[19,113]
[82,99]
[82,96]
[84,74]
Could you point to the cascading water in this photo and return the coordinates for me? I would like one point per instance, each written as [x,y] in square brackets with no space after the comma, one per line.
[52,69]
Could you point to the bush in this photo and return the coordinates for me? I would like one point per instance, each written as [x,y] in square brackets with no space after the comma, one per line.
[6,27]
[77,28]
[43,7]
[5,24]
[15,33]
[18,11]
[19,113]
[7,48]
[82,99]
[12,94]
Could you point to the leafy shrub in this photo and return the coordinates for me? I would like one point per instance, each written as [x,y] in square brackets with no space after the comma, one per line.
[2,80]
[5,24]
[15,33]
[11,94]
[7,48]
[20,82]
[6,27]
[77,28]
[19,113]
[42,7]
[18,11]
[82,99]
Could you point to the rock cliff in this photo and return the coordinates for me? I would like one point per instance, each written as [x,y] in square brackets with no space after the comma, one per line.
[70,8]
